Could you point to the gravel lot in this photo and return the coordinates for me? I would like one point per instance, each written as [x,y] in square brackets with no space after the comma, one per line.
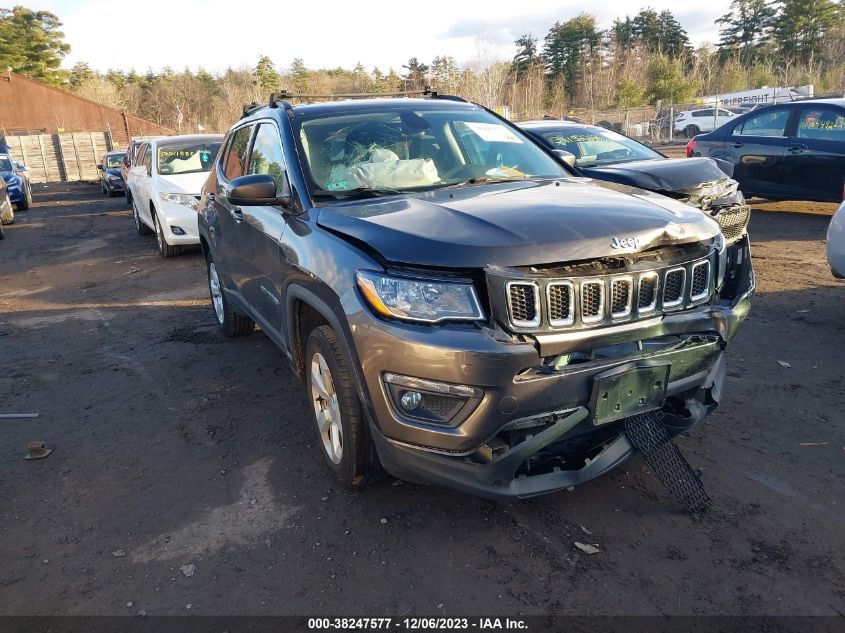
[176,448]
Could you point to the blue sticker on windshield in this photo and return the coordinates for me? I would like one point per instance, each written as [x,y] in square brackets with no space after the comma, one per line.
[337,185]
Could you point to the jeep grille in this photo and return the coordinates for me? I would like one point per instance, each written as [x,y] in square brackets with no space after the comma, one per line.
[543,304]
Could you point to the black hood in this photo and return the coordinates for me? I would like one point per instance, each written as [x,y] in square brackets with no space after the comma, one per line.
[671,174]
[516,223]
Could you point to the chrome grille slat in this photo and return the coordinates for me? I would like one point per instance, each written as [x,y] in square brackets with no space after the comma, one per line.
[561,298]
[673,287]
[647,292]
[524,303]
[700,281]
[620,297]
[592,300]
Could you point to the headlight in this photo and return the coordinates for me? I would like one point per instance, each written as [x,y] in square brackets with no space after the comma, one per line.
[180,198]
[426,300]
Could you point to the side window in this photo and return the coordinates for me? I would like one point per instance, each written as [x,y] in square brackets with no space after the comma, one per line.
[724,113]
[148,158]
[822,123]
[139,159]
[702,113]
[234,160]
[768,123]
[267,157]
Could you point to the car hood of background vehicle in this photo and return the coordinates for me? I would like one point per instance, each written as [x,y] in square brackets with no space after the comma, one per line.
[514,224]
[182,183]
[671,174]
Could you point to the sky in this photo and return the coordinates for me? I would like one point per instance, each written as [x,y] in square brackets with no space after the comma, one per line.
[216,34]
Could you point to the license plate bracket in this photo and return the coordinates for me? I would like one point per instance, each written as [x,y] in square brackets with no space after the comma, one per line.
[629,390]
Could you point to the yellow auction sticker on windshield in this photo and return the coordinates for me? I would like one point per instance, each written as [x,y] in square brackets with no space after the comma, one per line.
[493,132]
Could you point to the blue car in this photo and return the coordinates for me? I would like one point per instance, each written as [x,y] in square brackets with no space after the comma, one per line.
[16,177]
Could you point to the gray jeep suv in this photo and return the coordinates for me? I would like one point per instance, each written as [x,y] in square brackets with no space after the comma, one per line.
[462,309]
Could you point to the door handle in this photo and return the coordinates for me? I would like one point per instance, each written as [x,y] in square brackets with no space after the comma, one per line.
[738,145]
[797,149]
[237,214]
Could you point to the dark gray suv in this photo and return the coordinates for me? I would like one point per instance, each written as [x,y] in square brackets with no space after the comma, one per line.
[462,309]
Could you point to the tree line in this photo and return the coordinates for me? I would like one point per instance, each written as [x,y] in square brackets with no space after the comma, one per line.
[637,60]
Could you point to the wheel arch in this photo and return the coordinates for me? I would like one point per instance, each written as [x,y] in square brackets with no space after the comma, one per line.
[305,310]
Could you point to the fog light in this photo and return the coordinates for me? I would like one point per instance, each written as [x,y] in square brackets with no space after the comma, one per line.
[430,401]
[411,400]
[177,230]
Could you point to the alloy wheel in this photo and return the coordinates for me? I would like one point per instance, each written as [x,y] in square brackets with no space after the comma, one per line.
[216,292]
[326,408]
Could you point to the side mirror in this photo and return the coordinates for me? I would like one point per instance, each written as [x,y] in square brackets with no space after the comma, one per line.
[100,167]
[255,190]
[22,167]
[567,157]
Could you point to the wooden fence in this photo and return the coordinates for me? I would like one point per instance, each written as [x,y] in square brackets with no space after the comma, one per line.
[61,157]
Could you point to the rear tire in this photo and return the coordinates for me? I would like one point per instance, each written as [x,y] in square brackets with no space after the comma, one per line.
[164,249]
[230,321]
[342,433]
[691,130]
[26,201]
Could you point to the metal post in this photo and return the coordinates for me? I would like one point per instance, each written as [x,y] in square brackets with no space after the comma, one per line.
[671,121]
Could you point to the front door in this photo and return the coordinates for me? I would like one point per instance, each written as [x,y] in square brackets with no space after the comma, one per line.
[229,217]
[261,234]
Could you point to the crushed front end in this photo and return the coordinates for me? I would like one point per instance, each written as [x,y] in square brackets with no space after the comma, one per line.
[538,401]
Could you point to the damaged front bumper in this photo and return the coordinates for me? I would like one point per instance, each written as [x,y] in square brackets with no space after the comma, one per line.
[533,428]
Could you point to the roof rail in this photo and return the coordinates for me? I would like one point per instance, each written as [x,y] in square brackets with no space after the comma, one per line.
[284,97]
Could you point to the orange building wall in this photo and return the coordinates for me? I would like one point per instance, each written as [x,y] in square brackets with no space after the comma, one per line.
[31,107]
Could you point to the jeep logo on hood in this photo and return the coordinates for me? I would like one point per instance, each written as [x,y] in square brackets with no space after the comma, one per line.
[625,242]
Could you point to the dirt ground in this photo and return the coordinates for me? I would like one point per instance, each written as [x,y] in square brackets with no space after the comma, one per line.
[175,447]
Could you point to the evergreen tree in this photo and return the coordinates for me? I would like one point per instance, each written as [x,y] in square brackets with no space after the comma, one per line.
[526,54]
[415,78]
[745,28]
[624,33]
[79,74]
[32,44]
[800,26]
[266,76]
[300,75]
[659,32]
[444,69]
[566,46]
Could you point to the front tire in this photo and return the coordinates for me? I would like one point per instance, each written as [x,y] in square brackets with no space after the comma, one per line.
[164,249]
[338,418]
[140,227]
[230,322]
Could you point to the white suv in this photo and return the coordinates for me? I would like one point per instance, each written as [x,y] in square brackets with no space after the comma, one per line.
[692,122]
[164,188]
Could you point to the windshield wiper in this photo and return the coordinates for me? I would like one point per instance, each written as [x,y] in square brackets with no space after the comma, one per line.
[482,180]
[351,194]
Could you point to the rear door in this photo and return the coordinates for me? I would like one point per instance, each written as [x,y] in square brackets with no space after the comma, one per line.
[260,234]
[815,153]
[756,148]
